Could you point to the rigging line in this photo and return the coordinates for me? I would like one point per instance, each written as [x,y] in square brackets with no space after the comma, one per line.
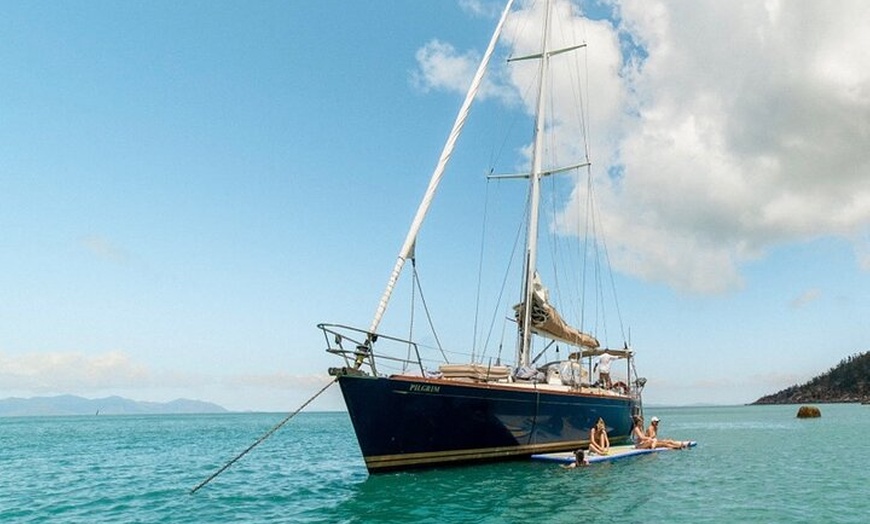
[556,254]
[580,247]
[599,288]
[511,259]
[587,235]
[574,250]
[609,265]
[579,75]
[613,286]
[581,115]
[551,151]
[578,93]
[426,310]
[583,104]
[264,437]
[480,269]
[501,340]
[550,182]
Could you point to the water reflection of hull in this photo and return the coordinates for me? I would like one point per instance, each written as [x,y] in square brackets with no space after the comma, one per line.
[409,422]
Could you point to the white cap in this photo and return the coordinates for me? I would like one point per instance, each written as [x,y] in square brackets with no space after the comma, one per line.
[654,419]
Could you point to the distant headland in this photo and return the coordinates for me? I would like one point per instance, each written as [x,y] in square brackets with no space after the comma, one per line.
[73,405]
[848,381]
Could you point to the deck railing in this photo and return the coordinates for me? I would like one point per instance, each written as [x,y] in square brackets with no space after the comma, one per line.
[356,347]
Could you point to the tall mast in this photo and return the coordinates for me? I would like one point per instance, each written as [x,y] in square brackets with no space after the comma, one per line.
[535,195]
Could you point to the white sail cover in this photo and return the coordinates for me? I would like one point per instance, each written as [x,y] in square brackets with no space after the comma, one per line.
[547,322]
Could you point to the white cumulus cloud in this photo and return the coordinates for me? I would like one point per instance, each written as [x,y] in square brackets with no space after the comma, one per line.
[749,132]
[719,129]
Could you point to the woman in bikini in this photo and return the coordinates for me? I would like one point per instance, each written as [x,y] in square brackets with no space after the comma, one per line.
[641,440]
[644,441]
[599,442]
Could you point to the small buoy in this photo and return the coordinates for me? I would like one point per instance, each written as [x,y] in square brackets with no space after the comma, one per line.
[809,412]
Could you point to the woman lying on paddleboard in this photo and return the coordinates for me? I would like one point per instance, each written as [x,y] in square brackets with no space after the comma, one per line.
[653,432]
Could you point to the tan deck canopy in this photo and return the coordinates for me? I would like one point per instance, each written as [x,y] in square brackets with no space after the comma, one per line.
[596,352]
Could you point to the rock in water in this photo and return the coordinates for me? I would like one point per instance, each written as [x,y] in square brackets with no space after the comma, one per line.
[809,412]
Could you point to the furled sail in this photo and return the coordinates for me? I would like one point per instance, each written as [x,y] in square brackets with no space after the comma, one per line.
[547,322]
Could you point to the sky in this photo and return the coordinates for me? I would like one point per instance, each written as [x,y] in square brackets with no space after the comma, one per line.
[188,188]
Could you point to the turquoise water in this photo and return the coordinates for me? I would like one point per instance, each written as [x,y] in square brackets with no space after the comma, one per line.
[752,463]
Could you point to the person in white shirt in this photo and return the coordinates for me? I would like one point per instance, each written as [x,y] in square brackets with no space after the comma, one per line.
[603,367]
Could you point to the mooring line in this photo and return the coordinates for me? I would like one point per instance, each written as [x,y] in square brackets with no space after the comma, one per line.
[261,439]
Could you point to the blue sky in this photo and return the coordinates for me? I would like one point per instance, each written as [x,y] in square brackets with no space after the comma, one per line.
[188,188]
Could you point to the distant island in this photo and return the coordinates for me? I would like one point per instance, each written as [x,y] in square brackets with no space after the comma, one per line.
[73,405]
[848,381]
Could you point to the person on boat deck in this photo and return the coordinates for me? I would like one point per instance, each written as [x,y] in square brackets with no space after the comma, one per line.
[599,442]
[644,441]
[579,460]
[603,366]
[653,432]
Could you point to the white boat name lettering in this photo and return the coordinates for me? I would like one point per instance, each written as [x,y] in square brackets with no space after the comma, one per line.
[424,388]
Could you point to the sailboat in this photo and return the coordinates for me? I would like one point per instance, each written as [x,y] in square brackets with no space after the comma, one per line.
[423,415]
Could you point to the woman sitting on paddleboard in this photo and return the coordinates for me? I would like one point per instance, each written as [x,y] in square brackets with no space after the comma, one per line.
[643,441]
[598,440]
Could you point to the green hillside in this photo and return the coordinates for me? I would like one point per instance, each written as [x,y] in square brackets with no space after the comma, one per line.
[848,381]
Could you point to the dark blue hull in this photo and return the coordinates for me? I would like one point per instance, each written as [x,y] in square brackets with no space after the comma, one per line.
[404,422]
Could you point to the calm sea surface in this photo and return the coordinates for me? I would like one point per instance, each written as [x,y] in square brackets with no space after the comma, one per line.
[752,464]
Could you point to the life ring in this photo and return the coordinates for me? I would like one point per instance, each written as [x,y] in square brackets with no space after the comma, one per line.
[621,386]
